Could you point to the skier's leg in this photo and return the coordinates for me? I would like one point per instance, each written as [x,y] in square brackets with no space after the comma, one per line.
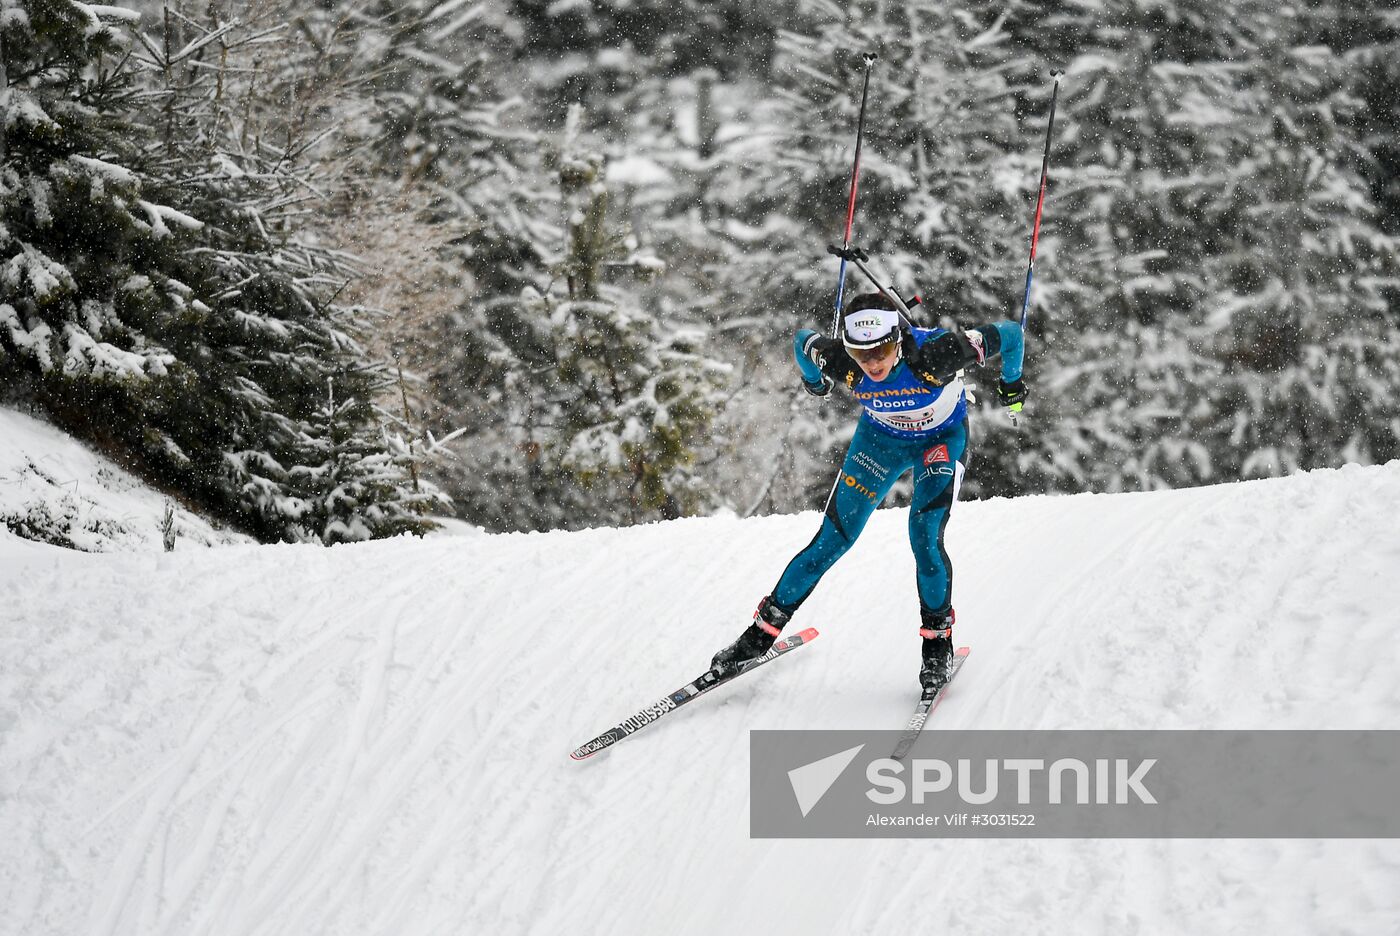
[936,486]
[873,463]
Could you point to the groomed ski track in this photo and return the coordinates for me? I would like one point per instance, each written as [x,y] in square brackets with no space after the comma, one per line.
[375,738]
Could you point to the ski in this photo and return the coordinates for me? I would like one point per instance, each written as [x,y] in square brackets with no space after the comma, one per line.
[687,693]
[927,704]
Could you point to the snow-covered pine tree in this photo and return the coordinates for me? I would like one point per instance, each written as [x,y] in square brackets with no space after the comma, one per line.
[1242,336]
[1371,38]
[1299,317]
[350,477]
[179,319]
[1369,32]
[441,191]
[72,212]
[259,140]
[598,425]
[483,316]
[650,387]
[669,136]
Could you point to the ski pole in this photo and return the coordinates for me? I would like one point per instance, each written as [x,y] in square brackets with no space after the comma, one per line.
[1040,200]
[851,201]
[859,257]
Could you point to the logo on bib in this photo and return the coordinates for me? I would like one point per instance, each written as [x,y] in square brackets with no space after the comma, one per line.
[939,453]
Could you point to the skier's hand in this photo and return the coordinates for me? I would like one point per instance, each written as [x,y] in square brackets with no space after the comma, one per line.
[821,350]
[1012,395]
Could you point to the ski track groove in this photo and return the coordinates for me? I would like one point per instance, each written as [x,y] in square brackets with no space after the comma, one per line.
[250,678]
[133,858]
[327,821]
[229,788]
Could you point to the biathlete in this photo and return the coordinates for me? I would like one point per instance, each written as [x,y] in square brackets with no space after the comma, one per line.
[915,419]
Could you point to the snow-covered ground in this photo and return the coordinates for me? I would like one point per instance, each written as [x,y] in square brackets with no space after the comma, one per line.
[54,488]
[374,738]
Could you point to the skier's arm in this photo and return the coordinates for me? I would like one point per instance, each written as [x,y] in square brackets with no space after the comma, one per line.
[1010,343]
[944,355]
[1013,350]
[820,360]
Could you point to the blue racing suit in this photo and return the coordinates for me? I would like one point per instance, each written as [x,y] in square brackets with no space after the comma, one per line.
[912,421]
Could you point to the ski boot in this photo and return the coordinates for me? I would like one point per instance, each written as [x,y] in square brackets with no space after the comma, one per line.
[756,640]
[937,632]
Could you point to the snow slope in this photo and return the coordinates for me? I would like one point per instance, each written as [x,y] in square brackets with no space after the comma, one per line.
[374,738]
[54,488]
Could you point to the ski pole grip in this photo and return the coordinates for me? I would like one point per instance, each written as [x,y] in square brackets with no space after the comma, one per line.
[847,253]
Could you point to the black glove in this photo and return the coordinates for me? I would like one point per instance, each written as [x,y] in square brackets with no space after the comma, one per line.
[819,351]
[1012,395]
[822,350]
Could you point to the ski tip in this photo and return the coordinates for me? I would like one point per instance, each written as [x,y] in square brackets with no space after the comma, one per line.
[807,634]
[601,743]
[962,651]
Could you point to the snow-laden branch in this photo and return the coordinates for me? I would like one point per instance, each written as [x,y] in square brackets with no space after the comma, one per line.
[160,214]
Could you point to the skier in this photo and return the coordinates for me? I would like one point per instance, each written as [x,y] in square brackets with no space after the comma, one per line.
[915,418]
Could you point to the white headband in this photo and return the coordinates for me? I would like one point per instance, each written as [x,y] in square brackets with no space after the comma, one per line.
[869,327]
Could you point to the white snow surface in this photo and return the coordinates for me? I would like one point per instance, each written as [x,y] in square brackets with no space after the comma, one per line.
[374,738]
[50,481]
